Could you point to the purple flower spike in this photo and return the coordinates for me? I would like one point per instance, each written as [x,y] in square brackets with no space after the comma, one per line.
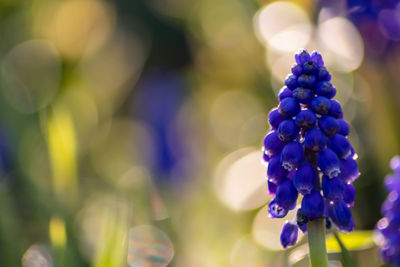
[275,118]
[308,152]
[305,178]
[289,107]
[289,234]
[341,215]
[328,162]
[292,155]
[387,228]
[312,205]
[272,144]
[276,211]
[286,195]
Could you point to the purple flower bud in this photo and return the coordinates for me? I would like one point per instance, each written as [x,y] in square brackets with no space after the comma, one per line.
[314,140]
[320,105]
[336,110]
[305,178]
[340,145]
[276,211]
[323,74]
[272,144]
[312,205]
[317,58]
[275,118]
[289,234]
[302,56]
[303,95]
[272,188]
[306,119]
[306,80]
[348,170]
[275,172]
[344,128]
[289,107]
[349,194]
[292,155]
[284,92]
[328,162]
[297,70]
[325,89]
[332,188]
[310,67]
[341,215]
[266,157]
[286,195]
[328,125]
[291,81]
[287,130]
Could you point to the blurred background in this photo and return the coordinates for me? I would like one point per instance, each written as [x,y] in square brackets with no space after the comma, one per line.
[131,130]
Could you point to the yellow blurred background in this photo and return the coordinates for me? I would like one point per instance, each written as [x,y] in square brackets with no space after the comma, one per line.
[130,130]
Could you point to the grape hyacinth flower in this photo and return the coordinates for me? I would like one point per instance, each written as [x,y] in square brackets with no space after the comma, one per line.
[388,228]
[307,152]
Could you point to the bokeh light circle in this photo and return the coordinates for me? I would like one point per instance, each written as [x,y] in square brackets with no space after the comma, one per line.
[240,180]
[283,25]
[149,246]
[32,74]
[37,256]
[341,43]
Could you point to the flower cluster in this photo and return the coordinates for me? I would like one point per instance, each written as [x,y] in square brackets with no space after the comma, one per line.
[307,151]
[388,228]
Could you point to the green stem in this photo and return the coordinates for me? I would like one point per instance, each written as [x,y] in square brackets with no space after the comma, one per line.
[347,261]
[316,243]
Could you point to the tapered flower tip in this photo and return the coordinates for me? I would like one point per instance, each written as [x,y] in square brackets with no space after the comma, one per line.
[326,89]
[344,128]
[328,162]
[310,67]
[320,105]
[306,119]
[275,172]
[302,56]
[395,164]
[275,210]
[340,145]
[333,188]
[272,144]
[275,118]
[289,107]
[348,170]
[286,194]
[289,234]
[329,125]
[291,81]
[317,58]
[349,194]
[336,110]
[287,130]
[341,215]
[305,178]
[292,155]
[312,205]
[284,93]
[314,140]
